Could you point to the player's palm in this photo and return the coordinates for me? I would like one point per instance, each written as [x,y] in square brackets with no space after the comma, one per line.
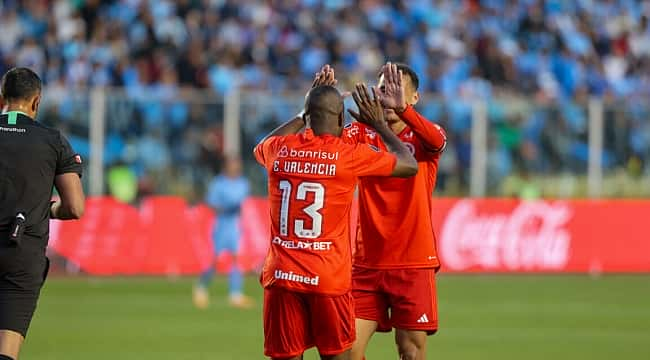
[393,96]
[325,76]
[371,111]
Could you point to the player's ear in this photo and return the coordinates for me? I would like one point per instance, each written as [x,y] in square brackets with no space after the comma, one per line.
[36,101]
[415,98]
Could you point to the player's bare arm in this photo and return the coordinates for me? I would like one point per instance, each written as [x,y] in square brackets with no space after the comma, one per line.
[290,127]
[71,204]
[371,113]
[394,95]
[323,77]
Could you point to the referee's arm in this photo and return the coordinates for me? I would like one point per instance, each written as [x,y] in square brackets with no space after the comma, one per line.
[71,205]
[68,183]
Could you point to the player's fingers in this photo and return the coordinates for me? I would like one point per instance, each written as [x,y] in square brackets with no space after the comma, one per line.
[400,78]
[330,77]
[375,98]
[386,72]
[360,94]
[375,91]
[366,93]
[357,99]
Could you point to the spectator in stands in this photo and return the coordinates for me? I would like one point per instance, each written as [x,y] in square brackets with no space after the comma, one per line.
[554,51]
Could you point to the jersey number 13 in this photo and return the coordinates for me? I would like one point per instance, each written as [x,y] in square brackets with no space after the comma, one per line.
[311,210]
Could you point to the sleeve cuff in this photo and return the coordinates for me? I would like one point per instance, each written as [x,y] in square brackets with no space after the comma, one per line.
[407,111]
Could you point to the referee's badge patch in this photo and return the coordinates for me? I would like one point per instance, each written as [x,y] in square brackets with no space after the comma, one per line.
[77,159]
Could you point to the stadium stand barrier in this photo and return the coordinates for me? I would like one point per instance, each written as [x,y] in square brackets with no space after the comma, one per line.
[146,143]
[166,236]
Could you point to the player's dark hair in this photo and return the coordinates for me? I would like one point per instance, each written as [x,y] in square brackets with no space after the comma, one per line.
[324,105]
[408,71]
[20,84]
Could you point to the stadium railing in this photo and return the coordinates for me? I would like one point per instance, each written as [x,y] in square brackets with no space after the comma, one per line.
[171,141]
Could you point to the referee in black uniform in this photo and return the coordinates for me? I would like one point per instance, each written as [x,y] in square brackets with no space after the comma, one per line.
[33,159]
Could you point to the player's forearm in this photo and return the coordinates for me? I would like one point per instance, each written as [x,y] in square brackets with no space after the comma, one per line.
[405,159]
[290,127]
[431,135]
[61,211]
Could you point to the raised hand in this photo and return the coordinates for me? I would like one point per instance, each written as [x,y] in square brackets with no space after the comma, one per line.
[325,76]
[392,95]
[371,112]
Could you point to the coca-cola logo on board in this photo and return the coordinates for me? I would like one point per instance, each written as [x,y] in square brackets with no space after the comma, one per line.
[533,236]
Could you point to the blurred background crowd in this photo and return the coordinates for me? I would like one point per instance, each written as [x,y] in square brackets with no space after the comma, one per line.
[170,66]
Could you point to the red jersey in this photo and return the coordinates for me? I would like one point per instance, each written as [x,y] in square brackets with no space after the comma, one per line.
[311,189]
[395,229]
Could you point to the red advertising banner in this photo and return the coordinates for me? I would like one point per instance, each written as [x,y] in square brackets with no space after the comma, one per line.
[166,236]
[543,236]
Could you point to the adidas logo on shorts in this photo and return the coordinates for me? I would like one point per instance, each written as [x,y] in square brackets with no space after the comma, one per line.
[423,319]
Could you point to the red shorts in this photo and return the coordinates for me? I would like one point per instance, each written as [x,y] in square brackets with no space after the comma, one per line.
[295,322]
[409,294]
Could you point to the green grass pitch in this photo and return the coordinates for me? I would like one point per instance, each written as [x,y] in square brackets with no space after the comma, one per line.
[481,317]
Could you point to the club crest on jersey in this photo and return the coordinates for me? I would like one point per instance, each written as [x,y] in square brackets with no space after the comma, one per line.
[411,148]
[77,159]
[284,152]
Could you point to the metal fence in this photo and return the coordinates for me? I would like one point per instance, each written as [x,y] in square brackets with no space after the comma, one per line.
[171,141]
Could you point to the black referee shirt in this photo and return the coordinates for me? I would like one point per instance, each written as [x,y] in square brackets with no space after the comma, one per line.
[31,155]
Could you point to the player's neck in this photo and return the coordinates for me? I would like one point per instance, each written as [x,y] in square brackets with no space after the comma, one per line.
[19,108]
[397,127]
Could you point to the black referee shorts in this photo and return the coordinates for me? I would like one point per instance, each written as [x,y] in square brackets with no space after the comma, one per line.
[22,274]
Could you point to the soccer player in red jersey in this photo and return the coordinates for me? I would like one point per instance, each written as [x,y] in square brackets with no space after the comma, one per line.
[312,177]
[393,279]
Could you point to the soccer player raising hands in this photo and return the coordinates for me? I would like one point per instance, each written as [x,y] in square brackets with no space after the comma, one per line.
[312,177]
[393,279]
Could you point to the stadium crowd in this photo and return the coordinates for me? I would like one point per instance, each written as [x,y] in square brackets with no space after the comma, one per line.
[554,53]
